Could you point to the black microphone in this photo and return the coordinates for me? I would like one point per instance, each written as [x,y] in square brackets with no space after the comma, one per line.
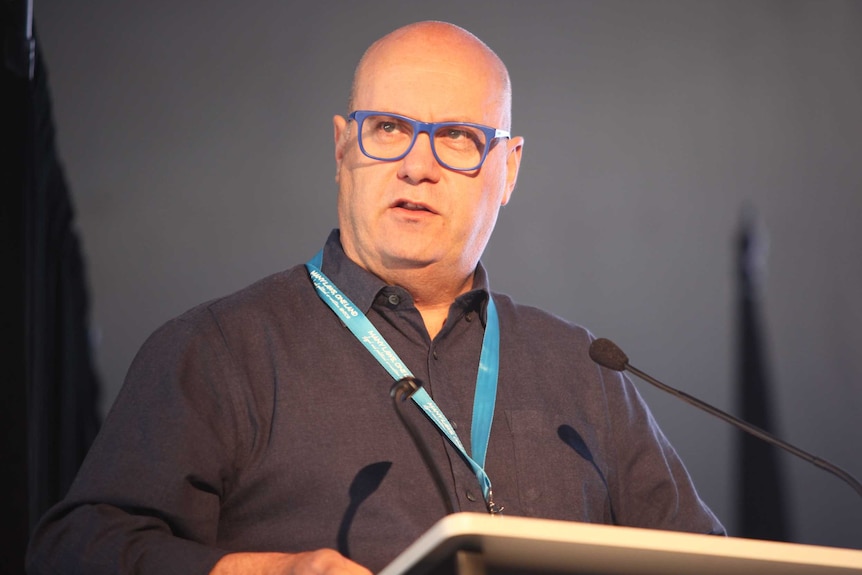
[401,391]
[607,354]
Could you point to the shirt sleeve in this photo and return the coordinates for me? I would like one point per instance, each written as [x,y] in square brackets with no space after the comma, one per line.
[147,497]
[651,487]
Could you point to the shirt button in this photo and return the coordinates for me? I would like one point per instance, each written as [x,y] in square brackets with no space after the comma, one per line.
[394,299]
[470,495]
[454,424]
[434,354]
[469,316]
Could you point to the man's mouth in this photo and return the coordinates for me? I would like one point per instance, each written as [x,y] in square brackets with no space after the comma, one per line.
[414,207]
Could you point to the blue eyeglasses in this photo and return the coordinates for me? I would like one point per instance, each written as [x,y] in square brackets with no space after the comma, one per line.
[458,146]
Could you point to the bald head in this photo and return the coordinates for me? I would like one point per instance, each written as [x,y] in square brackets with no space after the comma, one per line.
[430,44]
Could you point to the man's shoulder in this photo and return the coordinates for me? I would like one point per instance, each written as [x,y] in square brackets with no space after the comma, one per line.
[530,319]
[268,298]
[283,289]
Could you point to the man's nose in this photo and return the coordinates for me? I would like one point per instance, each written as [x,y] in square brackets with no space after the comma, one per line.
[420,164]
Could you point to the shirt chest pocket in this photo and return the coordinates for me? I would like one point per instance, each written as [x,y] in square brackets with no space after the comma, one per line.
[559,468]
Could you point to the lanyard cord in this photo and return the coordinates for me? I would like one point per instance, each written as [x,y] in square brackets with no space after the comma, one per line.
[486,379]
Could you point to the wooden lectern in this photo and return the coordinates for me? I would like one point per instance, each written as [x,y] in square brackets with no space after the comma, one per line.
[479,544]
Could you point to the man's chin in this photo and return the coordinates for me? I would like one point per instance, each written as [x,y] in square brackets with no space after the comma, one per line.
[409,261]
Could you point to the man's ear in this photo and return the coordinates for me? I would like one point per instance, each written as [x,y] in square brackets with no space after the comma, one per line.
[514,147]
[340,133]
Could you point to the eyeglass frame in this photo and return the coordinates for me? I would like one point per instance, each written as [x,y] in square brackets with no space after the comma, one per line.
[419,127]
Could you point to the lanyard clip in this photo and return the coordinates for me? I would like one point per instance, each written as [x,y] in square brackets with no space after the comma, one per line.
[493,508]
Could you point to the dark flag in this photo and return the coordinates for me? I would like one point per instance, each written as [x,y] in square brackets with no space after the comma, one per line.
[761,507]
[49,389]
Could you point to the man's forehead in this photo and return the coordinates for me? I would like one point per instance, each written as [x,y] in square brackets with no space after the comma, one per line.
[443,69]
[441,72]
[427,53]
[429,91]
[433,69]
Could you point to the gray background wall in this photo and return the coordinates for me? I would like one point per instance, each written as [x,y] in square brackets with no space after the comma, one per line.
[197,136]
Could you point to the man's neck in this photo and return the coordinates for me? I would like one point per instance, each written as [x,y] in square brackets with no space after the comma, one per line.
[433,293]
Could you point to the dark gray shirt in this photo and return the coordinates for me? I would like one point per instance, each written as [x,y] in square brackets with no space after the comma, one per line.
[257,422]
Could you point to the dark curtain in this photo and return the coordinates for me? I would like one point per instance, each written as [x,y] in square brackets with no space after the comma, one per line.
[761,506]
[49,388]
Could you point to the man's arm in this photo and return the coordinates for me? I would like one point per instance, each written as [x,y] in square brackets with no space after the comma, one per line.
[652,488]
[147,498]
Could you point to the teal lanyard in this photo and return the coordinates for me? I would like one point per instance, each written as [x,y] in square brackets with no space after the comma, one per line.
[486,380]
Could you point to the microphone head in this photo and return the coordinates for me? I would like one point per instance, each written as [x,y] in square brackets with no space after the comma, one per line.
[607,354]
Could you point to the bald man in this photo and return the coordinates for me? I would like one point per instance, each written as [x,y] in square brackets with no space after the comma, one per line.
[255,434]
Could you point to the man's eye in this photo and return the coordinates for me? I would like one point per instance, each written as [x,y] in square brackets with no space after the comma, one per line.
[388,127]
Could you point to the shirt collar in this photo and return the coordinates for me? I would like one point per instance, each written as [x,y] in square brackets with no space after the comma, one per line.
[362,286]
